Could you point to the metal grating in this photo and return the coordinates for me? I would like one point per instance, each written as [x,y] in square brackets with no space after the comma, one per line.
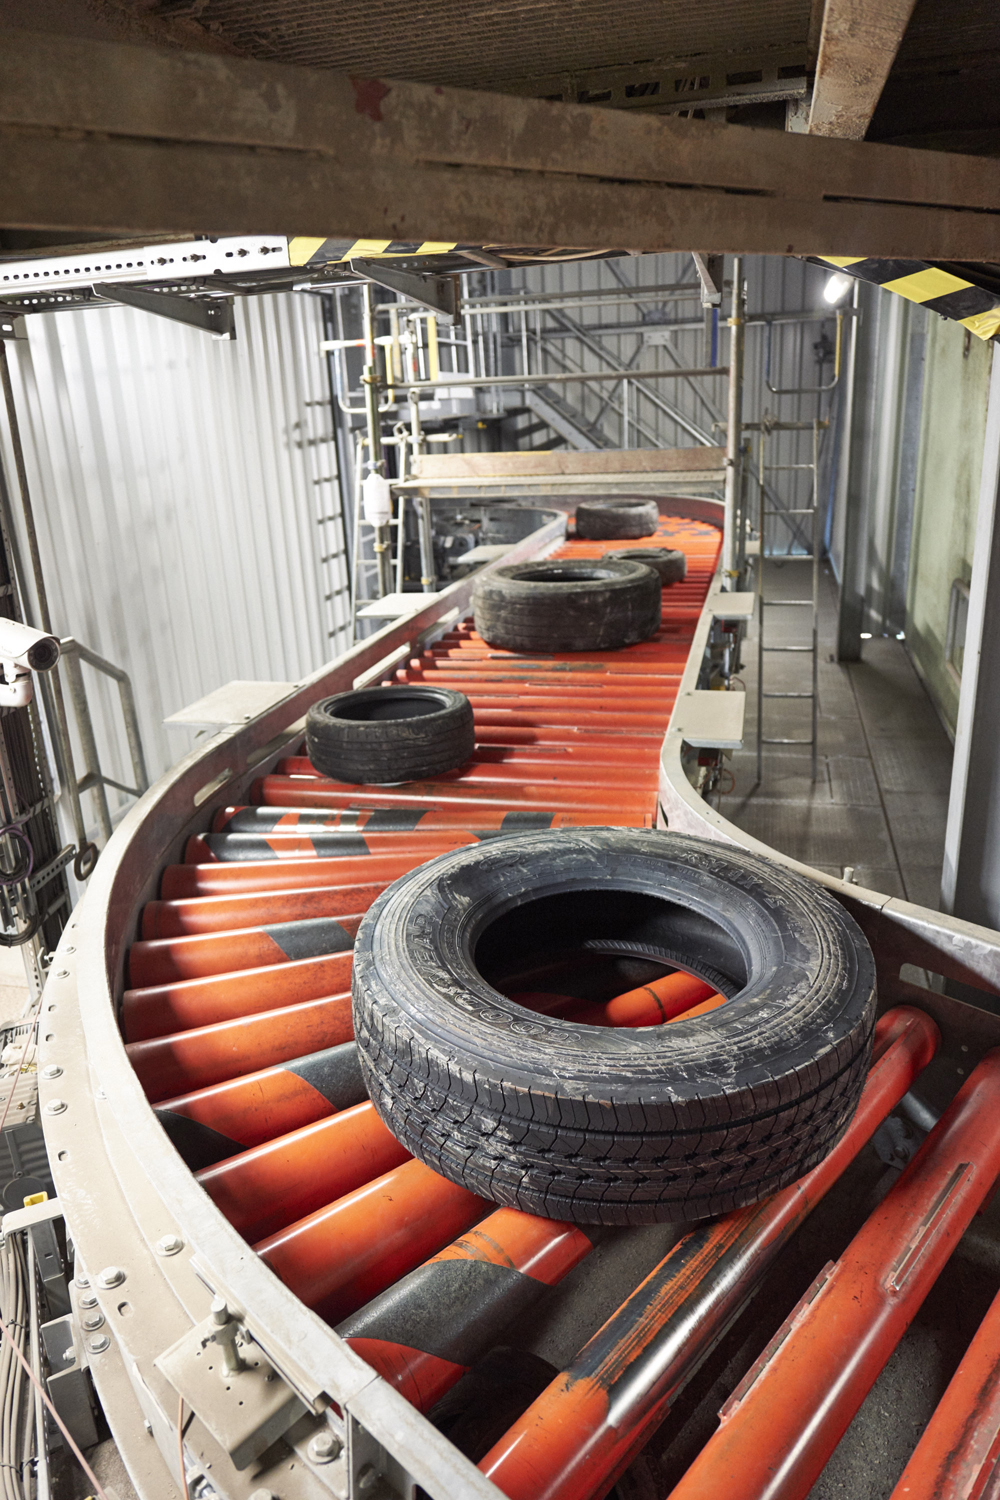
[474,46]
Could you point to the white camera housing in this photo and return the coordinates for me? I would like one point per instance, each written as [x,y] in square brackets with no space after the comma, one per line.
[23,651]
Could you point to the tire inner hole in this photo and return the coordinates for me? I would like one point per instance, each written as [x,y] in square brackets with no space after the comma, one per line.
[406,706]
[611,958]
[561,575]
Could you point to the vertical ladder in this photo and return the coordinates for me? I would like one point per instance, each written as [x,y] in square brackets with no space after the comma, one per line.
[811,524]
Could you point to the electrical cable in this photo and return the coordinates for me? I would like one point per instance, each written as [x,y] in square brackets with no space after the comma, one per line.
[180,1449]
[99,1491]
[22,871]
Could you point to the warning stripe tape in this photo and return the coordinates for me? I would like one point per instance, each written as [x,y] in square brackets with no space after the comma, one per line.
[303,251]
[943,292]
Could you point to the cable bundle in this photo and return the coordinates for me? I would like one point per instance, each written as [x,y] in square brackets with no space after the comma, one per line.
[17,1418]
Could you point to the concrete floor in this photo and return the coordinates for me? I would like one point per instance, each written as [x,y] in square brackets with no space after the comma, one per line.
[880,799]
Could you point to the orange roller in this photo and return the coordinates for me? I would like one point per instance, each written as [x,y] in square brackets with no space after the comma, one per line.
[336,844]
[418,820]
[494,714]
[167,960]
[660,1000]
[196,914]
[339,1258]
[487,773]
[424,1332]
[263,1190]
[283,875]
[166,1008]
[195,1059]
[443,793]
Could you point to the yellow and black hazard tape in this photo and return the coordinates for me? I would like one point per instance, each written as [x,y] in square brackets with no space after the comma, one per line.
[310,252]
[942,291]
[303,251]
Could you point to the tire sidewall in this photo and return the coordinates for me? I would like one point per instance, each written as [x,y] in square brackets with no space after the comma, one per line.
[811,973]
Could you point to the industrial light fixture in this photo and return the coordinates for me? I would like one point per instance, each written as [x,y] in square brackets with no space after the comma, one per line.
[837,288]
[866,635]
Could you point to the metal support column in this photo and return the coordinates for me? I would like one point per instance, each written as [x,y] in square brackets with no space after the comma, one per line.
[734,428]
[376,461]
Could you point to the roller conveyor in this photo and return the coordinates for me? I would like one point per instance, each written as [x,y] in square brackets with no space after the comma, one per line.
[237,1022]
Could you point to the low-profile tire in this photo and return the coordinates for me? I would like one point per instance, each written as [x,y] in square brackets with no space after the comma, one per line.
[567,605]
[380,734]
[612,1125]
[668,565]
[611,520]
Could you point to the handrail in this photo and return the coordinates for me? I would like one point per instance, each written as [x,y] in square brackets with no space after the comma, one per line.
[73,652]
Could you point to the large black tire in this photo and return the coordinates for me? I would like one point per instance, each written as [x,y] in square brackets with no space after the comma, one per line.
[390,734]
[567,605]
[613,1126]
[609,520]
[668,565]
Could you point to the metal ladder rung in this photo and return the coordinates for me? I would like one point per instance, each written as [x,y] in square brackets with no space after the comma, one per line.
[788,648]
[787,557]
[801,510]
[786,695]
[810,602]
[784,468]
[765,741]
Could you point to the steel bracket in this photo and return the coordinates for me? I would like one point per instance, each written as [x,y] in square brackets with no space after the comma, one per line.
[12,326]
[439,294]
[709,268]
[212,315]
[245,1411]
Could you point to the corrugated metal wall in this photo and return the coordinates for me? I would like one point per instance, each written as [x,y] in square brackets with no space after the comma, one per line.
[186,495]
[672,413]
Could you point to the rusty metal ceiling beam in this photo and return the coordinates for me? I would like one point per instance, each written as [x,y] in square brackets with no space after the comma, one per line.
[104,137]
[858,45]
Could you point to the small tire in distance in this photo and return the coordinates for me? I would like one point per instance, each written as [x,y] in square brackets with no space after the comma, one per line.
[567,605]
[669,566]
[612,1125]
[611,520]
[381,734]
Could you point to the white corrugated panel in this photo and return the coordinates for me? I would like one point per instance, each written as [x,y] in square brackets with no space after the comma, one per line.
[186,496]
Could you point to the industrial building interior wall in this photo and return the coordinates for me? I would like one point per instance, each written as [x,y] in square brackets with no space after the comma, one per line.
[669,332]
[186,496]
[909,445]
[952,435]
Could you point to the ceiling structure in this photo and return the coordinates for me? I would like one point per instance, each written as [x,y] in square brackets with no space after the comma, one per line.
[925,74]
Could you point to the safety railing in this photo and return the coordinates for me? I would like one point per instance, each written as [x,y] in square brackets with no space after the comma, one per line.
[94,779]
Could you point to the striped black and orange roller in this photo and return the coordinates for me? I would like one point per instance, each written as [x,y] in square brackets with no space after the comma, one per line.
[425,1332]
[270,1186]
[167,960]
[212,1123]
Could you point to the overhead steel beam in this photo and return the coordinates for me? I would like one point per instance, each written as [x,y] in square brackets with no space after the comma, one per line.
[101,136]
[858,45]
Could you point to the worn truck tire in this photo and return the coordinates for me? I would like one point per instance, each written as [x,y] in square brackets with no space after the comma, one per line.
[668,565]
[567,605]
[609,520]
[610,1125]
[380,734]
